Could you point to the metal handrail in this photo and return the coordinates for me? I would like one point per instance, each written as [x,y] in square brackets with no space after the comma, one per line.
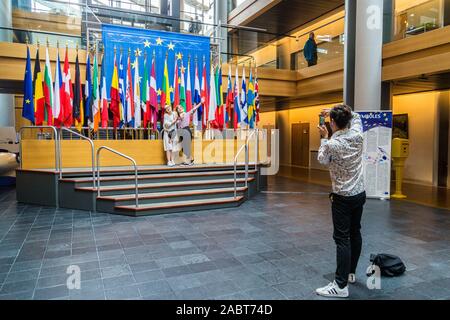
[39,127]
[55,133]
[123,156]
[245,146]
[92,152]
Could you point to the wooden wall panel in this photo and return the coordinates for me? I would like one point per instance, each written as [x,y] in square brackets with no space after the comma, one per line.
[40,154]
[46,22]
[13,57]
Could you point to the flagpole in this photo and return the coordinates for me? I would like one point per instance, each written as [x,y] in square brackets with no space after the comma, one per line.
[123,93]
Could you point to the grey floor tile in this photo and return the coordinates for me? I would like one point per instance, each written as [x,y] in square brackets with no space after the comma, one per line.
[277,246]
[122,293]
[57,292]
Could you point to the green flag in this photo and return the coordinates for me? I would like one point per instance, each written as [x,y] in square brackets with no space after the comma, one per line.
[183,88]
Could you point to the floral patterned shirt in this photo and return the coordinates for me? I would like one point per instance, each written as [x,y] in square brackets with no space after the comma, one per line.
[343,155]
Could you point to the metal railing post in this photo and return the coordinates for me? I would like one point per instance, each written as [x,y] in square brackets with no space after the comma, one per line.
[136,186]
[246,148]
[57,151]
[92,152]
[55,133]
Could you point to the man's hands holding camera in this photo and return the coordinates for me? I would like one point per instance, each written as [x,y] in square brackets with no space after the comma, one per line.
[324,134]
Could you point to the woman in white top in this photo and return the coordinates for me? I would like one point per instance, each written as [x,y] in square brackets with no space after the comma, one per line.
[170,120]
[184,121]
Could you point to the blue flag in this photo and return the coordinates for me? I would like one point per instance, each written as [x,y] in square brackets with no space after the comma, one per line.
[28,101]
[122,95]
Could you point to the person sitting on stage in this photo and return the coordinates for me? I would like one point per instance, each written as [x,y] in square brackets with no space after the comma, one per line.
[184,121]
[170,120]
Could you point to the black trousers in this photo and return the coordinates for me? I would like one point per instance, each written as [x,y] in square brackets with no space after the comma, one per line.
[347,213]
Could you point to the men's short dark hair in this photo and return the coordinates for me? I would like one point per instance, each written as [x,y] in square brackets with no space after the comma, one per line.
[342,115]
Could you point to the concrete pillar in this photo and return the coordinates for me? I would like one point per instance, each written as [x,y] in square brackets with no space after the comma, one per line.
[222,18]
[363,54]
[387,87]
[283,54]
[172,8]
[6,100]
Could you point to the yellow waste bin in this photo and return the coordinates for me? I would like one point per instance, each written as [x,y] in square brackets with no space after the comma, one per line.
[400,152]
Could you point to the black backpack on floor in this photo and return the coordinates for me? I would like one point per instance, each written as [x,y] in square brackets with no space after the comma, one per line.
[390,265]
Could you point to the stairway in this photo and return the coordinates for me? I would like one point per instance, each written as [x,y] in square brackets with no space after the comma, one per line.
[161,189]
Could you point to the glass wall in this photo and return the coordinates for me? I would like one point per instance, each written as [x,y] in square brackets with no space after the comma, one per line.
[414,17]
[198,16]
[287,52]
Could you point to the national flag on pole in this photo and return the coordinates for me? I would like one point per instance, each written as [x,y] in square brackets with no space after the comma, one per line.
[188,88]
[114,95]
[229,98]
[145,96]
[251,102]
[220,116]
[95,96]
[212,108]
[78,112]
[153,96]
[182,87]
[103,97]
[256,97]
[38,91]
[176,85]
[121,92]
[243,106]
[204,95]
[88,91]
[137,95]
[66,112]
[48,90]
[197,118]
[129,118]
[28,100]
[236,103]
[165,93]
[58,86]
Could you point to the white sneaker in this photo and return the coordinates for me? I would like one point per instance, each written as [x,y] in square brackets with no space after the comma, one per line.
[332,290]
[171,164]
[352,278]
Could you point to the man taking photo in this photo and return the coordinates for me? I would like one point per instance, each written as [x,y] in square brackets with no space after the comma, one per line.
[342,153]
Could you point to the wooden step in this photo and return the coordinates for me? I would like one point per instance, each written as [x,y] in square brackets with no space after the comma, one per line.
[158,176]
[172,194]
[164,185]
[180,204]
[149,169]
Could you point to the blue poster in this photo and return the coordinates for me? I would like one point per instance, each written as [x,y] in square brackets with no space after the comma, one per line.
[160,43]
[377,131]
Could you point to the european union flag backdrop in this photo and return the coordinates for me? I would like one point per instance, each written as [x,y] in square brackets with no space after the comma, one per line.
[162,42]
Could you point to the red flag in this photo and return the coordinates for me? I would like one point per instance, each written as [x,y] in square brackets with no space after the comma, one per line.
[115,99]
[66,95]
[204,95]
[103,98]
[38,91]
[176,86]
[188,89]
[153,96]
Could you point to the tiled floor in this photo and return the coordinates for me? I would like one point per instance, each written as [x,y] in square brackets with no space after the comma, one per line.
[276,246]
[420,194]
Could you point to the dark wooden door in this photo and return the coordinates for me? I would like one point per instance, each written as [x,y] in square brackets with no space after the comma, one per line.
[269,129]
[304,160]
[296,144]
